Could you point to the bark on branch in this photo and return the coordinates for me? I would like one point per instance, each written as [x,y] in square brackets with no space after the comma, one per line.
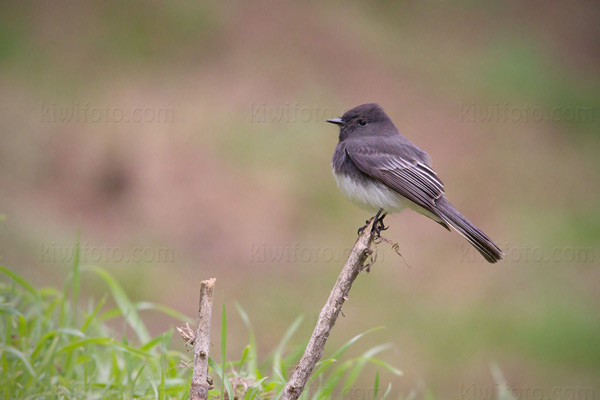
[199,386]
[314,350]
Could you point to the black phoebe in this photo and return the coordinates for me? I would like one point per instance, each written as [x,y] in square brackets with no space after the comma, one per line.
[379,169]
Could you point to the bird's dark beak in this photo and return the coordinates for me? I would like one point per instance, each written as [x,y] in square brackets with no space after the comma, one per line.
[337,121]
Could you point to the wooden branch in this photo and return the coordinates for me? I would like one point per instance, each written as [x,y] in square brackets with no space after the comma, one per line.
[314,350]
[199,386]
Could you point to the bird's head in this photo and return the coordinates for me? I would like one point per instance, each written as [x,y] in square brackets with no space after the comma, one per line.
[364,120]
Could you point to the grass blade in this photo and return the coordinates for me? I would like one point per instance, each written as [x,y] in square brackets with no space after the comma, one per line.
[21,281]
[360,364]
[504,392]
[387,391]
[323,365]
[332,381]
[91,317]
[76,279]
[350,342]
[224,350]
[253,350]
[21,356]
[146,305]
[278,368]
[385,365]
[376,385]
[124,304]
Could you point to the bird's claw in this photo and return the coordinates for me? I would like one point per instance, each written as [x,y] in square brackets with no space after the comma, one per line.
[378,225]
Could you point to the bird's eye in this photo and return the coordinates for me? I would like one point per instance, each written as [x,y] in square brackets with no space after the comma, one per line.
[362,122]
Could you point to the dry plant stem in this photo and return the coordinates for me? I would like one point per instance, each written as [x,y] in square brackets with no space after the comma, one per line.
[329,314]
[199,387]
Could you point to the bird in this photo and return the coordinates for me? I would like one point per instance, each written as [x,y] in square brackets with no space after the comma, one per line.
[382,171]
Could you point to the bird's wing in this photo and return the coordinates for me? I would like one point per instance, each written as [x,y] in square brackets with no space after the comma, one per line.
[404,174]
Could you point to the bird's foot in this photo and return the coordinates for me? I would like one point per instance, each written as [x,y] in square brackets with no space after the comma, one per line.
[378,225]
[362,229]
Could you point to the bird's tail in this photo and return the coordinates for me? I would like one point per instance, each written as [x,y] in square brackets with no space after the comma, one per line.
[466,229]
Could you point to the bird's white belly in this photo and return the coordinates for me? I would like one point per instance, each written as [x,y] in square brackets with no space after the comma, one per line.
[370,195]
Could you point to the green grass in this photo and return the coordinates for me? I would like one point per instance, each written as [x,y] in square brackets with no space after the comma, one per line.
[51,348]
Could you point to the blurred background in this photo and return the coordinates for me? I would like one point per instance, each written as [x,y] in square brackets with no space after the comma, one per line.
[186,140]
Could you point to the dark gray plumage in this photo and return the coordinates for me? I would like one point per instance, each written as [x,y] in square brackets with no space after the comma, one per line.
[376,167]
